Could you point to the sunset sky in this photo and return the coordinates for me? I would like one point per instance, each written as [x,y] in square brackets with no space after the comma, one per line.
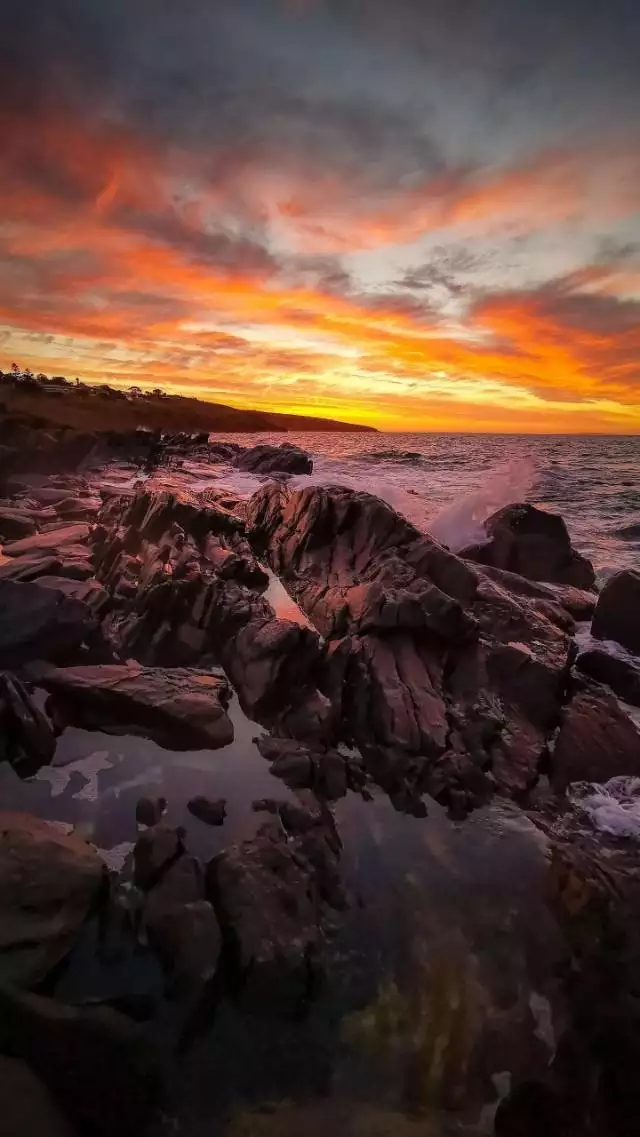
[416,214]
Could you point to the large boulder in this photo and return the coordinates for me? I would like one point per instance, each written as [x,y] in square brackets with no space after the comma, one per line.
[596,741]
[447,680]
[96,1063]
[42,623]
[180,708]
[49,884]
[621,675]
[266,459]
[617,614]
[533,543]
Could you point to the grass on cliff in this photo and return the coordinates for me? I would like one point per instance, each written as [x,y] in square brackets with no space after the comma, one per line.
[94,411]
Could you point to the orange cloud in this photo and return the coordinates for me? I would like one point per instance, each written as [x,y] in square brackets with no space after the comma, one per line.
[104,246]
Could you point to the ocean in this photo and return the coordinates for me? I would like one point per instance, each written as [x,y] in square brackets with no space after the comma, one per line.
[449,483]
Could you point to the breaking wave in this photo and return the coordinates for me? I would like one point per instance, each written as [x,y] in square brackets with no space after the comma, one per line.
[613,807]
[462,523]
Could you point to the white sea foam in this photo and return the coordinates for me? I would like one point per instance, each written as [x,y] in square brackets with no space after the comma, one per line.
[612,807]
[462,522]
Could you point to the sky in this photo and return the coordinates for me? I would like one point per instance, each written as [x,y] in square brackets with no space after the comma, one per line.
[413,214]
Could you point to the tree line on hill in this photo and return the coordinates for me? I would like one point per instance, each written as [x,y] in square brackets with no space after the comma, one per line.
[25,378]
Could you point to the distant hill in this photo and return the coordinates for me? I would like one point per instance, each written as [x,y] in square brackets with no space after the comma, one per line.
[100,407]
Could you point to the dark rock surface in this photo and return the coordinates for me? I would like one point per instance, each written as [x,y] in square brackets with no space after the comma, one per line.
[177,601]
[533,543]
[15,524]
[27,738]
[621,675]
[449,682]
[97,1064]
[266,459]
[42,623]
[272,897]
[596,740]
[175,916]
[617,614]
[27,1107]
[211,811]
[49,883]
[179,708]
[48,541]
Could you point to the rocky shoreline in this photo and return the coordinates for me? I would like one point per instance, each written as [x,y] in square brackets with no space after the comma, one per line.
[413,672]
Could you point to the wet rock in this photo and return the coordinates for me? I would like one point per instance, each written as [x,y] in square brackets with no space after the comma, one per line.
[15,524]
[49,884]
[48,542]
[617,614]
[149,810]
[181,925]
[26,1104]
[177,707]
[28,568]
[27,738]
[323,539]
[211,811]
[596,740]
[622,675]
[459,689]
[42,623]
[97,1064]
[533,543]
[156,850]
[266,459]
[328,772]
[578,602]
[268,897]
[295,817]
[88,591]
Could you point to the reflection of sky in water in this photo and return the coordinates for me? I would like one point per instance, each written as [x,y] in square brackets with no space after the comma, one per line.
[441,916]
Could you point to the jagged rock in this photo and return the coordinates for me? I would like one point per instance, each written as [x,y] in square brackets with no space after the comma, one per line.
[328,772]
[578,602]
[208,810]
[97,1064]
[179,708]
[270,901]
[28,568]
[621,675]
[15,524]
[48,542]
[296,817]
[49,883]
[266,459]
[26,1105]
[323,539]
[617,614]
[596,740]
[27,738]
[88,591]
[533,543]
[42,623]
[457,700]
